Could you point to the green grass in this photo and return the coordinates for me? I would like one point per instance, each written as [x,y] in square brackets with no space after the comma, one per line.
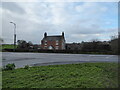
[8,46]
[0,78]
[84,75]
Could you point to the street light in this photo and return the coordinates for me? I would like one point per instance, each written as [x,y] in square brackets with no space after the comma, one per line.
[14,34]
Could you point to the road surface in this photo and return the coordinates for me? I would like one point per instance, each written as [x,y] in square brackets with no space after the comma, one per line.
[35,59]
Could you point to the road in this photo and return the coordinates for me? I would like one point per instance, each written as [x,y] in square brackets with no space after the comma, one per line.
[35,59]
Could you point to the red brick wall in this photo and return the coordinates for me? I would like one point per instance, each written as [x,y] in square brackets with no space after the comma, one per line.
[51,43]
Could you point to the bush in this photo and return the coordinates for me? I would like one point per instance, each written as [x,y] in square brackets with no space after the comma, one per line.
[26,67]
[3,68]
[10,66]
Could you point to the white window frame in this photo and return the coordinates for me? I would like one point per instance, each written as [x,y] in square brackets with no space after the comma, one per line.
[57,47]
[45,46]
[45,42]
[57,42]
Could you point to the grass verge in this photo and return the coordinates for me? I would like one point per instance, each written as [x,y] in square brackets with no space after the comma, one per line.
[84,75]
[8,46]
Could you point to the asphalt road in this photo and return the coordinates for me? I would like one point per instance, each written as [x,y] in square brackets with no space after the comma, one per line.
[35,59]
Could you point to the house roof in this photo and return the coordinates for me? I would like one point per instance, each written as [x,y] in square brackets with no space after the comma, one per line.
[53,38]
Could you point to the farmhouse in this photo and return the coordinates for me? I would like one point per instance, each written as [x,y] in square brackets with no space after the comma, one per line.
[56,42]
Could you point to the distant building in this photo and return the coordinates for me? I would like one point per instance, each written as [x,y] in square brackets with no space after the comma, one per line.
[56,42]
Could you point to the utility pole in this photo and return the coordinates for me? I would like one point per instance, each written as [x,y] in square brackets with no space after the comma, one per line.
[14,35]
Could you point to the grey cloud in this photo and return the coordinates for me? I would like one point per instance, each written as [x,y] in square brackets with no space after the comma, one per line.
[84,29]
[31,27]
[13,7]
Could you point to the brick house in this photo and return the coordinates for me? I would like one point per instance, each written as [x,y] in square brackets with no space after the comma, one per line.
[56,42]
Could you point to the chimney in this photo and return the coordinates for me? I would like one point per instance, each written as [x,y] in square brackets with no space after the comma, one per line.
[62,34]
[45,34]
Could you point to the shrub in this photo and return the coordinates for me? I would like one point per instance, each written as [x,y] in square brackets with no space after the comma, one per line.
[10,66]
[26,67]
[3,68]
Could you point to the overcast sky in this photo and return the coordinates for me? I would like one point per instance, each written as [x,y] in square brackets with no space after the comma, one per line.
[81,21]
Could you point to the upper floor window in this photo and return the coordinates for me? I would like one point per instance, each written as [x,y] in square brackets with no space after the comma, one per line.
[57,42]
[45,42]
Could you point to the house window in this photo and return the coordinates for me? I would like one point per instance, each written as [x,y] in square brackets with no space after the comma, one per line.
[45,42]
[56,47]
[57,43]
[45,46]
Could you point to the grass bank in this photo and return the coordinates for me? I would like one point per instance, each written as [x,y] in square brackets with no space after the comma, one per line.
[8,46]
[84,75]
